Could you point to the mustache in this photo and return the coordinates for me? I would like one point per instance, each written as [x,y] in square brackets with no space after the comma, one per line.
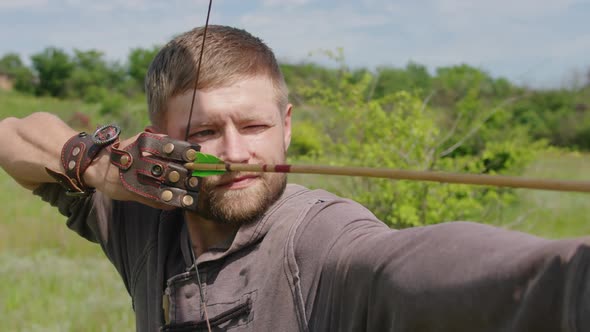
[215,180]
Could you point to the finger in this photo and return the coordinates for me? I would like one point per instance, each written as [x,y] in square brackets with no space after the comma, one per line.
[152,167]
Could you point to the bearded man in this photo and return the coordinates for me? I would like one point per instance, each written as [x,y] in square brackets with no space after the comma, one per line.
[248,252]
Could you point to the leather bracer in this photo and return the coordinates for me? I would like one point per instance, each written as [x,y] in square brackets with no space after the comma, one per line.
[153,167]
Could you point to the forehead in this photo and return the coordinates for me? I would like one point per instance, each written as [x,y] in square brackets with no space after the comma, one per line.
[245,98]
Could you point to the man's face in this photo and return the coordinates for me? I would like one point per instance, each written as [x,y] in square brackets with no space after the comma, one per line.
[240,123]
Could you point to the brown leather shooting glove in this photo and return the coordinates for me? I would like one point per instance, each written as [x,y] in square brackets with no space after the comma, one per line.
[152,167]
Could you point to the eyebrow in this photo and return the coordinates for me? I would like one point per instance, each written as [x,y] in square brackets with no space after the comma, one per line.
[250,117]
[241,118]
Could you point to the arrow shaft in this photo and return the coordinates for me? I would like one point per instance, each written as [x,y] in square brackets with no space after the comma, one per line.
[432,176]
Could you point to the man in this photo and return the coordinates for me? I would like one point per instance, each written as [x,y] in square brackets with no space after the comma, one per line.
[252,253]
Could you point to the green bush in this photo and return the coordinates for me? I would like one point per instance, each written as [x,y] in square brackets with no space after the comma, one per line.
[398,130]
[307,141]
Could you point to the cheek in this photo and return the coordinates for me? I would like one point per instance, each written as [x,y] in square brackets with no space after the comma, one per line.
[270,150]
[208,148]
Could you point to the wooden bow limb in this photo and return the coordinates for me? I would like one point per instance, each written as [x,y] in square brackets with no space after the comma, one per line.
[433,176]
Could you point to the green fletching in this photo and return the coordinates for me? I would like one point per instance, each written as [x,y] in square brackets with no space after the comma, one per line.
[203,158]
[207,173]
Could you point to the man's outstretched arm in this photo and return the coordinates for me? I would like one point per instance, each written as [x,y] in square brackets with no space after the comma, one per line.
[448,277]
[468,277]
[30,144]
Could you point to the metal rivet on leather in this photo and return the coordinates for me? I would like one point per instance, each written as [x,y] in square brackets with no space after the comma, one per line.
[75,151]
[71,164]
[187,200]
[174,176]
[157,170]
[193,182]
[124,159]
[190,154]
[168,148]
[166,195]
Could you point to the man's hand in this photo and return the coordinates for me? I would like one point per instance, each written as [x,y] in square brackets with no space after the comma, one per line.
[147,168]
[104,176]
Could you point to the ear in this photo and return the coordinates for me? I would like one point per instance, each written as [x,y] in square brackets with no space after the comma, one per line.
[287,126]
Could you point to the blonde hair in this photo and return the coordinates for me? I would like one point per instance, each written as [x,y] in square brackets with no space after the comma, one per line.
[229,55]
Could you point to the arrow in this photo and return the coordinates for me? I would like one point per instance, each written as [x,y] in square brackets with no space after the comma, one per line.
[207,165]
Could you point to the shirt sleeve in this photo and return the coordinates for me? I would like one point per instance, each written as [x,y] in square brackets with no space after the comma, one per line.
[126,231]
[86,216]
[453,277]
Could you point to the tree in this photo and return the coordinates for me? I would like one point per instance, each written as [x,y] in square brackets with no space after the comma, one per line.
[139,61]
[11,65]
[453,83]
[93,77]
[414,78]
[54,68]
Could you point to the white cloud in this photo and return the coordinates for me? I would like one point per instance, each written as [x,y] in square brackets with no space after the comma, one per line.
[18,4]
[112,5]
[502,8]
[288,3]
[294,34]
[319,20]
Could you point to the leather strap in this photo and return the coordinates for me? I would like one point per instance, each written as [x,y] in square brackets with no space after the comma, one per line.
[153,167]
[76,155]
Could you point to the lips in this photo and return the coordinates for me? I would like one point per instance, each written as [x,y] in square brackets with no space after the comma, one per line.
[237,182]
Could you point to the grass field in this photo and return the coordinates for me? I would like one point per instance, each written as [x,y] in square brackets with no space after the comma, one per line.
[548,213]
[52,280]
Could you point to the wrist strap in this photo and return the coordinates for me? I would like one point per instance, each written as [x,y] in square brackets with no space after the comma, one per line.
[76,155]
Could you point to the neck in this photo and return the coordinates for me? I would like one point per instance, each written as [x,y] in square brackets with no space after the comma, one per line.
[205,233]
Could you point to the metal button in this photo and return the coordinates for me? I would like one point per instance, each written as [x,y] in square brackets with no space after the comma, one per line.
[190,154]
[166,195]
[157,170]
[193,182]
[174,176]
[124,159]
[75,151]
[71,164]
[187,200]
[168,148]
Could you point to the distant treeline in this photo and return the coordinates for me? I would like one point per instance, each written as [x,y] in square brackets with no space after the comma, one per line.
[560,116]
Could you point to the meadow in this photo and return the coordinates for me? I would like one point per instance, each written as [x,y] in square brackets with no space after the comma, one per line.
[53,280]
[50,278]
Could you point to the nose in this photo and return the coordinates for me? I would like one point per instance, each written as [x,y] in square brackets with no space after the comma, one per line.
[235,147]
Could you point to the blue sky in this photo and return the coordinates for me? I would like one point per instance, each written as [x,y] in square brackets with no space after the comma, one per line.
[531,42]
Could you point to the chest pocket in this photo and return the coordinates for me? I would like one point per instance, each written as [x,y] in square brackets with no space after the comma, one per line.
[183,308]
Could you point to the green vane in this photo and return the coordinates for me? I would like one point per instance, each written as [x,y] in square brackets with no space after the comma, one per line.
[203,158]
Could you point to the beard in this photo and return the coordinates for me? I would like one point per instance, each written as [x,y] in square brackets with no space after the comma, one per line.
[239,206]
